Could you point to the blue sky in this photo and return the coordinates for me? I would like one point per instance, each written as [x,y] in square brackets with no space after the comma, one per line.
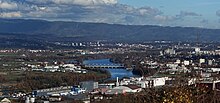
[185,13]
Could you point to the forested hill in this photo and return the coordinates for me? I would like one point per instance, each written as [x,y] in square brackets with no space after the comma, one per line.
[70,31]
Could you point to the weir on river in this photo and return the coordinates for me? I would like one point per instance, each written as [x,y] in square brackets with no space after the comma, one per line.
[111,66]
[102,63]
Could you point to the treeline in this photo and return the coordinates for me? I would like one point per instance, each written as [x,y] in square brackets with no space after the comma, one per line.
[33,80]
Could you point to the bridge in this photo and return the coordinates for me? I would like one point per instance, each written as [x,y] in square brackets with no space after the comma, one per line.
[104,66]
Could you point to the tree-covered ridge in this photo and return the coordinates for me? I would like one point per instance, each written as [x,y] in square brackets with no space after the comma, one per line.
[65,31]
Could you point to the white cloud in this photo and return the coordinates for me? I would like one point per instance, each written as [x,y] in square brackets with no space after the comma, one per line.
[163,18]
[7,5]
[10,14]
[188,13]
[149,11]
[105,11]
[75,2]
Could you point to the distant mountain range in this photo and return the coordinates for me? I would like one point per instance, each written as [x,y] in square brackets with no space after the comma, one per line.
[41,30]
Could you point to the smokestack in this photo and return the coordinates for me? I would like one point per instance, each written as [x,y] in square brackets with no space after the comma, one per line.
[117,82]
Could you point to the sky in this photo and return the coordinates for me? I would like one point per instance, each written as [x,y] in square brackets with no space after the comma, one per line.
[184,13]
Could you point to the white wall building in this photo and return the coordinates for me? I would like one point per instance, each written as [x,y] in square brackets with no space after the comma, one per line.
[201,61]
[155,81]
[186,62]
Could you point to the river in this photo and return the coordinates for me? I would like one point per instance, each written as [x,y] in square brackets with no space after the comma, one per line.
[119,72]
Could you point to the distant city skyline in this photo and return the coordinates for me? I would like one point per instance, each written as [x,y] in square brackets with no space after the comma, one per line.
[186,13]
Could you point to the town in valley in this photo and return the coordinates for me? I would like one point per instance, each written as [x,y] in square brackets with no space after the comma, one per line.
[102,72]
